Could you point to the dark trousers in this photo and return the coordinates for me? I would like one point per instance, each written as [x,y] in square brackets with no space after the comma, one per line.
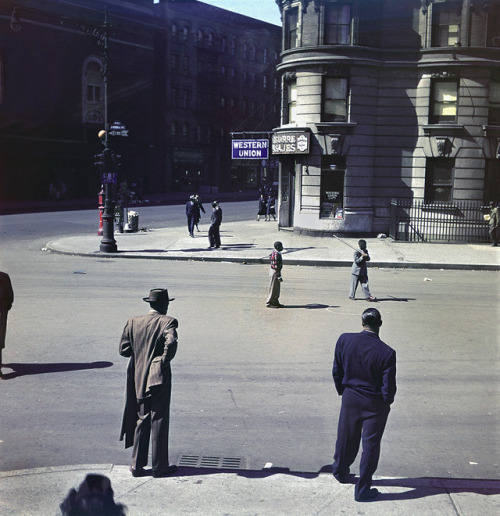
[191,223]
[361,418]
[153,421]
[493,235]
[214,236]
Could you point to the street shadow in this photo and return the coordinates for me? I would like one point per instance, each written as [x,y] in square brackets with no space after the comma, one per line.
[289,250]
[392,298]
[312,306]
[29,369]
[420,487]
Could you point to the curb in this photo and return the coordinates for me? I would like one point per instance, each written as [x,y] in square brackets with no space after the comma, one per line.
[260,261]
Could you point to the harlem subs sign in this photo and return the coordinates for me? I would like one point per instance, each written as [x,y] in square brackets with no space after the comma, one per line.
[250,149]
[291,143]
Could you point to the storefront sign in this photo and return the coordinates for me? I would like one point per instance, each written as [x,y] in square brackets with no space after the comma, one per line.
[291,143]
[187,155]
[250,149]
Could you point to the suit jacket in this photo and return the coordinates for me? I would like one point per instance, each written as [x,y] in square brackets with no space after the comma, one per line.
[216,218]
[365,364]
[359,267]
[147,340]
[6,292]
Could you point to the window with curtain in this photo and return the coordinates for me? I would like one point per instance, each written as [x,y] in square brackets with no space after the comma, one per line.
[291,102]
[291,27]
[439,180]
[445,24]
[335,99]
[337,24]
[443,102]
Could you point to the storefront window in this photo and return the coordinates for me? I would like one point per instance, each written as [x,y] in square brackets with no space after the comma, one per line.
[332,187]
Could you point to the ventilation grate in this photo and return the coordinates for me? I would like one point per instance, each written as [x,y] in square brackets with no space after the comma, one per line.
[197,461]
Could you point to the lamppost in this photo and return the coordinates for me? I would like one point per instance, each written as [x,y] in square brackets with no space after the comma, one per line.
[100,36]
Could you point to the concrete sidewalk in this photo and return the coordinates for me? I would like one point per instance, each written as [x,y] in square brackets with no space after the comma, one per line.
[252,241]
[198,491]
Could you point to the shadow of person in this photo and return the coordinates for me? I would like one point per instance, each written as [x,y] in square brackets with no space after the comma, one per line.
[29,369]
[422,487]
[392,298]
[312,306]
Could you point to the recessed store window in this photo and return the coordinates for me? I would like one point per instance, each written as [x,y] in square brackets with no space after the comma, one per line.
[443,102]
[335,99]
[445,24]
[332,187]
[439,180]
[337,24]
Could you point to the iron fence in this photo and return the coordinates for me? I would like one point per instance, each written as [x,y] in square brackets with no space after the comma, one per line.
[419,221]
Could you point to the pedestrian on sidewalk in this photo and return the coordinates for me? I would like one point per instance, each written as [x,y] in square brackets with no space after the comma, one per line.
[494,222]
[275,277]
[151,343]
[359,272]
[6,300]
[191,211]
[200,209]
[214,230]
[262,207]
[271,209]
[364,373]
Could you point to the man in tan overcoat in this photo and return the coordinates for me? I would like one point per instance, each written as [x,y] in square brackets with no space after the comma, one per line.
[151,343]
[6,300]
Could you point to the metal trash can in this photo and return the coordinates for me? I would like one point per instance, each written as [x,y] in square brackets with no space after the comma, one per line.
[132,222]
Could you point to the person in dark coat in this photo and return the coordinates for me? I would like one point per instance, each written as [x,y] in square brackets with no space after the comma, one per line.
[214,230]
[200,209]
[273,299]
[271,202]
[493,223]
[364,373]
[192,212]
[359,272]
[151,343]
[6,300]
[262,207]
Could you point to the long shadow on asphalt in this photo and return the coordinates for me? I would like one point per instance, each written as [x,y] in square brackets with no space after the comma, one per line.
[419,487]
[29,369]
[312,306]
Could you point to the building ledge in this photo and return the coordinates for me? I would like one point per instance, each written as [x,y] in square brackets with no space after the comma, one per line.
[338,127]
[491,130]
[443,129]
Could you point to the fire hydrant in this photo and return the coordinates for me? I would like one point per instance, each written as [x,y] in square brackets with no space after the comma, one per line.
[101,209]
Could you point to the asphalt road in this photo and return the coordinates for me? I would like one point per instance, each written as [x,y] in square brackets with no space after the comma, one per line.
[249,382]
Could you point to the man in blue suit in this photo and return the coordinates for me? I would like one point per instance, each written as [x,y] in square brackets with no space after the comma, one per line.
[364,372]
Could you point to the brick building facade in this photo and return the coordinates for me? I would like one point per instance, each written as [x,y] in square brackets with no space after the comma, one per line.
[182,76]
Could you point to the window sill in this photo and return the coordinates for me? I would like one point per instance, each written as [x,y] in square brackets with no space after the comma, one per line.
[442,129]
[341,127]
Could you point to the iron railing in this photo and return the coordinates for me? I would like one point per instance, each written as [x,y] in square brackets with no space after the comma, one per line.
[419,221]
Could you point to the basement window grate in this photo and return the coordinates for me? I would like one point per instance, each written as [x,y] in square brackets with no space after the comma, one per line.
[198,461]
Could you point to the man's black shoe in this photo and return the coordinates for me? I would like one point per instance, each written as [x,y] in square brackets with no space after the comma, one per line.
[165,473]
[370,495]
[139,472]
[347,478]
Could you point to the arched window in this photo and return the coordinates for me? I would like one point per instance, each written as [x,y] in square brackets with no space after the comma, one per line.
[173,130]
[233,45]
[185,132]
[185,32]
[92,91]
[223,44]
[245,50]
[252,53]
[174,30]
[265,56]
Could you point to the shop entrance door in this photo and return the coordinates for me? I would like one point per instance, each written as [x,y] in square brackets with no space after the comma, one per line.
[287,185]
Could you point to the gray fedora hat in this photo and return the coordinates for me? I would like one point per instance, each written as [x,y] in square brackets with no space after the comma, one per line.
[158,295]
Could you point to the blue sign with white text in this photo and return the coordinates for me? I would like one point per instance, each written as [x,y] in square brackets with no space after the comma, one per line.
[250,149]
